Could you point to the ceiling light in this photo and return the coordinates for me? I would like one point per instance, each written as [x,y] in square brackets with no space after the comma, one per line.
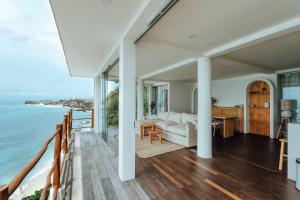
[107,2]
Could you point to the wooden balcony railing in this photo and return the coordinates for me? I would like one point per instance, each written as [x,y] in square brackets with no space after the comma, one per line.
[85,118]
[63,138]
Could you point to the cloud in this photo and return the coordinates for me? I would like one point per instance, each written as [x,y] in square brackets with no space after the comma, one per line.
[31,52]
[30,24]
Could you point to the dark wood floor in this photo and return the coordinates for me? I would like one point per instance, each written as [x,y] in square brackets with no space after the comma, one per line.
[243,167]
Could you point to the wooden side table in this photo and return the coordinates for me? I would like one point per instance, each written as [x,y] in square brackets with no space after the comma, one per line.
[144,126]
[156,132]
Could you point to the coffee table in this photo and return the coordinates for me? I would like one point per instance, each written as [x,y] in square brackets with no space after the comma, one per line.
[146,125]
[156,132]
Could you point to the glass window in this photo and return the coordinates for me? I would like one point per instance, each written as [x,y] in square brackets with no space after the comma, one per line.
[289,84]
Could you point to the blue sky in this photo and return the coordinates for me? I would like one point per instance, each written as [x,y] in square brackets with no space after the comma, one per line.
[31,57]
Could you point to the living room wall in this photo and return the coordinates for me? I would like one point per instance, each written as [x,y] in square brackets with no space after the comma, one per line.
[232,91]
[180,97]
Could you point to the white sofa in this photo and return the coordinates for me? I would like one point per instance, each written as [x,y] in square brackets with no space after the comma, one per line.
[179,128]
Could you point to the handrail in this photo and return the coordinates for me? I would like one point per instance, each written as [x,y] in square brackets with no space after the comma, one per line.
[62,137]
[76,119]
[13,185]
[82,110]
[48,180]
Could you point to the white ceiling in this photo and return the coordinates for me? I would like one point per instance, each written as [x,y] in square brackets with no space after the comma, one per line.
[266,57]
[212,23]
[194,27]
[89,30]
[90,33]
[220,70]
[276,54]
[154,55]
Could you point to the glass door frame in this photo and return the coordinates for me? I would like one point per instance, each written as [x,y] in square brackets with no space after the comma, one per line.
[104,91]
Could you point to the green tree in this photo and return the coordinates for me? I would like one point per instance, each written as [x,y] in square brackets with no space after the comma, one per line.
[113,108]
[36,195]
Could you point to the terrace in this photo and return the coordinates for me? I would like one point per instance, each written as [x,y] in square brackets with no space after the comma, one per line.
[206,78]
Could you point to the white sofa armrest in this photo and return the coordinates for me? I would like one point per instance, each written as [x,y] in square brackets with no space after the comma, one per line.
[191,134]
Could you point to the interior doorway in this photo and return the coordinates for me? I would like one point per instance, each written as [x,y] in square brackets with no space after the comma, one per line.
[259,108]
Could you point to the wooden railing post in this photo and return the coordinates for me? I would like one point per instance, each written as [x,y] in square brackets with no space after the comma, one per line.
[4,195]
[71,121]
[57,150]
[93,118]
[65,130]
[70,124]
[68,127]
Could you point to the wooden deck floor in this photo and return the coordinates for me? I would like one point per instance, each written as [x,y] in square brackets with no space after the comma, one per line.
[100,172]
[242,168]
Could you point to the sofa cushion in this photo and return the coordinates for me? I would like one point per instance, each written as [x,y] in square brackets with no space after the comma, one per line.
[163,115]
[175,117]
[153,117]
[164,124]
[188,118]
[138,123]
[179,129]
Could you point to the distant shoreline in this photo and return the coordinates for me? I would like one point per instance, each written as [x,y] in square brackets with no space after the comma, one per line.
[68,103]
[49,106]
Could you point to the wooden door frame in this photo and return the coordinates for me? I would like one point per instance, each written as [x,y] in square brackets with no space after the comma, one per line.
[273,105]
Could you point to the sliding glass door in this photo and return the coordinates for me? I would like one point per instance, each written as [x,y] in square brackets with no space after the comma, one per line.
[162,98]
[104,84]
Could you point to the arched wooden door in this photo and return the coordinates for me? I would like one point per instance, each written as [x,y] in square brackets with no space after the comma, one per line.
[259,108]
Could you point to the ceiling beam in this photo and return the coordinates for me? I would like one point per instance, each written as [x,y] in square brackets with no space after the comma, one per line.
[227,62]
[261,36]
[170,67]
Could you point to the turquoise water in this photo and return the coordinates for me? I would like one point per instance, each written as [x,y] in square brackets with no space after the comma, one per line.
[23,131]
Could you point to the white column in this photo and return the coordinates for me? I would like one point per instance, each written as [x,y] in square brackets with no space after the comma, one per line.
[127,110]
[140,100]
[97,102]
[204,138]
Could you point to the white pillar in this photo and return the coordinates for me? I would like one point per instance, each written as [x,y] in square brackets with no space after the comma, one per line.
[140,100]
[127,110]
[97,102]
[204,138]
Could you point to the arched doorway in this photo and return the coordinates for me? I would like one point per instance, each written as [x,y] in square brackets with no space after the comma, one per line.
[259,108]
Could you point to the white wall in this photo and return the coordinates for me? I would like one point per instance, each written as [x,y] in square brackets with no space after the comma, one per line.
[230,92]
[233,91]
[180,97]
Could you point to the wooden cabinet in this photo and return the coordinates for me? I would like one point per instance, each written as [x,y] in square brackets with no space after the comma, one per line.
[259,104]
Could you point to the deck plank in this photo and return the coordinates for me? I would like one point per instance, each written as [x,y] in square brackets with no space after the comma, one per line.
[108,189]
[100,172]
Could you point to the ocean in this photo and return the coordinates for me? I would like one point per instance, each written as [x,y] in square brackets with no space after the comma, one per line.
[23,131]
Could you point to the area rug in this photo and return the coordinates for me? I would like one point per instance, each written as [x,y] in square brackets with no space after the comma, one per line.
[146,150]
